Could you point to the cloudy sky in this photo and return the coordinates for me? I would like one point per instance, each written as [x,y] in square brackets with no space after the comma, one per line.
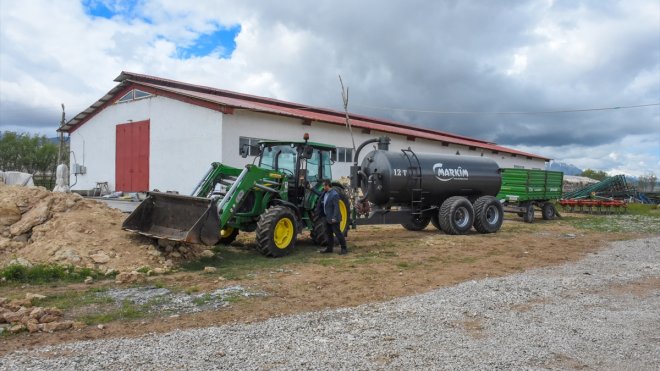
[496,70]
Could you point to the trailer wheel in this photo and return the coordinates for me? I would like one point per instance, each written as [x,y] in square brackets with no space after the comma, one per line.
[276,231]
[528,217]
[228,235]
[488,214]
[435,220]
[548,211]
[456,215]
[318,233]
[417,223]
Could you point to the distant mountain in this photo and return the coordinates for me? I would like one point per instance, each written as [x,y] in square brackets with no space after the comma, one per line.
[567,169]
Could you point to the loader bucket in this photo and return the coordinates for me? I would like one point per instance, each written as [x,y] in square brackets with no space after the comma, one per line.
[177,218]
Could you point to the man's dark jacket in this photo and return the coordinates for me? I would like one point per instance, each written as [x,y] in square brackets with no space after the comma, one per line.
[331,209]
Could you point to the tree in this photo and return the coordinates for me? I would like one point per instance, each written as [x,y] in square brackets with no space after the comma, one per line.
[646,182]
[27,153]
[594,174]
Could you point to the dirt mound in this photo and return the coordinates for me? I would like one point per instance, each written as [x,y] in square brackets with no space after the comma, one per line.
[39,226]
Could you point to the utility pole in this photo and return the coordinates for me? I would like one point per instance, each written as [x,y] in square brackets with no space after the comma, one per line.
[59,153]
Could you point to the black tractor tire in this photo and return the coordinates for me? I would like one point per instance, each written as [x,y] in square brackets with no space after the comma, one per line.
[456,215]
[318,233]
[548,211]
[488,214]
[276,231]
[228,235]
[435,220]
[528,216]
[417,222]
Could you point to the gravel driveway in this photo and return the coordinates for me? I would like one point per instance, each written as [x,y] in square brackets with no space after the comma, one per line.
[599,313]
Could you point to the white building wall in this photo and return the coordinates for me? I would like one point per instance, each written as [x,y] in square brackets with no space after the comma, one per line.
[264,126]
[184,140]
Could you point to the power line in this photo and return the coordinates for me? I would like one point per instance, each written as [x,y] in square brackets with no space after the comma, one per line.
[505,113]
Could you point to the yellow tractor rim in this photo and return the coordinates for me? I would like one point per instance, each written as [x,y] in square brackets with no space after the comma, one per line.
[283,233]
[344,215]
[226,232]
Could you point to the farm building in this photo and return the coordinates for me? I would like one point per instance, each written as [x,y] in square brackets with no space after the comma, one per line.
[154,133]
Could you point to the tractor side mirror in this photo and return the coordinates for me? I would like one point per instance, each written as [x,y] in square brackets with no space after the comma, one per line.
[307,152]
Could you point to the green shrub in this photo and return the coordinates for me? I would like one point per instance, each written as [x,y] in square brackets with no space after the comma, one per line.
[44,273]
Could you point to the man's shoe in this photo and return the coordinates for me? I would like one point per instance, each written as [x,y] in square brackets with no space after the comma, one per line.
[326,251]
[343,252]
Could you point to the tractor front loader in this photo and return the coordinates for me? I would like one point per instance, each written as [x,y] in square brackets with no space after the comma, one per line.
[276,199]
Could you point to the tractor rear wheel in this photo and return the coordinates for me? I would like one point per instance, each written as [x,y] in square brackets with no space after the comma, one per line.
[318,233]
[228,235]
[456,215]
[528,216]
[548,211]
[276,231]
[488,214]
[417,222]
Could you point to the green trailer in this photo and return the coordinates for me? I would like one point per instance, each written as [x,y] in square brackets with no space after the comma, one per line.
[524,190]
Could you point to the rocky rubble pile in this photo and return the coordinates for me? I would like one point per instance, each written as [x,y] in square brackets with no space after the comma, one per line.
[39,226]
[19,315]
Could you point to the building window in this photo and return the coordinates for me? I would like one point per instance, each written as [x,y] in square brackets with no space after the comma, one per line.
[133,95]
[252,142]
[445,144]
[472,148]
[342,155]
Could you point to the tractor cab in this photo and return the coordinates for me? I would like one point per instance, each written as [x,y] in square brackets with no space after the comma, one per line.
[302,162]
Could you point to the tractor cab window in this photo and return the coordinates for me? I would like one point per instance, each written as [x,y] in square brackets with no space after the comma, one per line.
[325,161]
[281,158]
[313,167]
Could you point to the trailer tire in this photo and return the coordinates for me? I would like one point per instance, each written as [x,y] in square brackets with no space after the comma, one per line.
[548,211]
[456,215]
[318,232]
[228,235]
[276,231]
[435,220]
[488,214]
[528,216]
[417,223]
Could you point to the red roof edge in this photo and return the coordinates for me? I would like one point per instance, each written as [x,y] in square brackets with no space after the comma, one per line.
[126,75]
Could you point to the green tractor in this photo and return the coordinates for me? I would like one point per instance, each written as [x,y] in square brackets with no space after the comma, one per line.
[276,198]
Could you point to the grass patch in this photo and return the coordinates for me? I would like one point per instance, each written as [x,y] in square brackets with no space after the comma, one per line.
[47,273]
[126,311]
[74,299]
[201,300]
[622,223]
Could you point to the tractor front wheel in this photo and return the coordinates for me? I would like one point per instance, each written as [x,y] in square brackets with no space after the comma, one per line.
[276,231]
[228,235]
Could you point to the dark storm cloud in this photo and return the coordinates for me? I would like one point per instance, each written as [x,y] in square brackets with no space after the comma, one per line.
[452,56]
[13,115]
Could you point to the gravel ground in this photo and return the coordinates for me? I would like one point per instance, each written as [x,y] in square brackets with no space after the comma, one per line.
[598,313]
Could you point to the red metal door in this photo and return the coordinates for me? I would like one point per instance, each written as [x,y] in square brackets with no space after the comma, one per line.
[132,157]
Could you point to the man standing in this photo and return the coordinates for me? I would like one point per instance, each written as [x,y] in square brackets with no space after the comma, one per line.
[329,208]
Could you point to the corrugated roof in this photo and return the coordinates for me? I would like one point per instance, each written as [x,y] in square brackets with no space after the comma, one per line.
[233,100]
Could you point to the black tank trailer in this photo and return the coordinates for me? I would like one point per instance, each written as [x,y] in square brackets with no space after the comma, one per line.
[453,192]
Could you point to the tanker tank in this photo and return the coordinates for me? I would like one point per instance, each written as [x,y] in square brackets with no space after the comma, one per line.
[391,177]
